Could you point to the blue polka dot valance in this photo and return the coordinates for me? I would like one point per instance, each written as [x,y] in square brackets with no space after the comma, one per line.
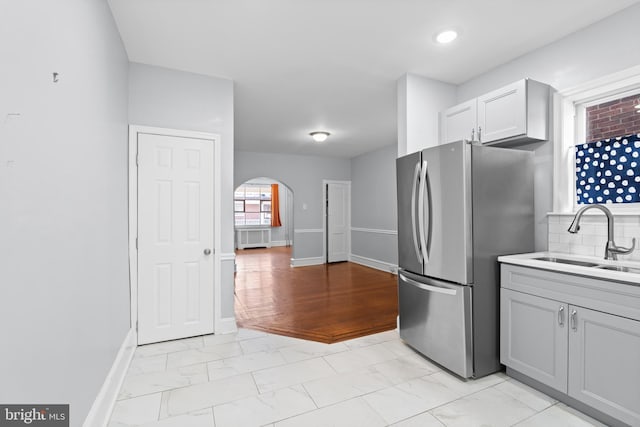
[608,171]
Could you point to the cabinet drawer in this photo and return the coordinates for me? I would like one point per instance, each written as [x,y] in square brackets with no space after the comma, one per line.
[435,319]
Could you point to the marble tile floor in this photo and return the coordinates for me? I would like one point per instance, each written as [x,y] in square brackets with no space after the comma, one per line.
[252,378]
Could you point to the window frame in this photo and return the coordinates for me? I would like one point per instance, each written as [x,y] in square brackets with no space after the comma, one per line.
[260,199]
[569,114]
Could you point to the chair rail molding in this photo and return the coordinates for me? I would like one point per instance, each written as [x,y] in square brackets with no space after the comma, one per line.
[374,230]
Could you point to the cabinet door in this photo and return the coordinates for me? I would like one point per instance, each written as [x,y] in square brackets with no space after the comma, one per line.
[533,337]
[458,123]
[604,363]
[503,112]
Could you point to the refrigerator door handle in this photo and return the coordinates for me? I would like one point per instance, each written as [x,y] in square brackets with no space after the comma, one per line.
[421,219]
[414,231]
[431,288]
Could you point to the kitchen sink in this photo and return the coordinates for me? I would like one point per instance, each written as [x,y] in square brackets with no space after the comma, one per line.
[569,261]
[620,268]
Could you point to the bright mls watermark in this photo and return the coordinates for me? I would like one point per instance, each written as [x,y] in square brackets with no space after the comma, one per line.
[34,415]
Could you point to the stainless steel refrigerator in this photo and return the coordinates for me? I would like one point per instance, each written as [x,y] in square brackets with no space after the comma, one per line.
[460,205]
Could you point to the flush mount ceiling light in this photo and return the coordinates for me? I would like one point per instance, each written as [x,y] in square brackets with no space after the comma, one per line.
[447,36]
[319,136]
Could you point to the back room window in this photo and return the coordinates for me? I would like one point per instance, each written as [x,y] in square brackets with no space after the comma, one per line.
[608,163]
[252,205]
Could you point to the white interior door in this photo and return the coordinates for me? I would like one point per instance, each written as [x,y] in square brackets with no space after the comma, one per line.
[338,219]
[175,237]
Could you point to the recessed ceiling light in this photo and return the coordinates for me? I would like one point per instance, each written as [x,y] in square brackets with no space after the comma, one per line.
[319,136]
[447,36]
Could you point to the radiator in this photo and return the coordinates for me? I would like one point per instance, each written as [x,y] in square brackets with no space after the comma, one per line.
[253,238]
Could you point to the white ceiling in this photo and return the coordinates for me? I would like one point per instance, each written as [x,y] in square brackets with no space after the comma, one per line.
[305,65]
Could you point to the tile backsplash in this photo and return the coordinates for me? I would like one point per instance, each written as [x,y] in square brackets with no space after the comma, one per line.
[592,237]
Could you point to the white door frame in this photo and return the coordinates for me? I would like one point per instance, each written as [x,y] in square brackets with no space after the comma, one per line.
[324,216]
[134,130]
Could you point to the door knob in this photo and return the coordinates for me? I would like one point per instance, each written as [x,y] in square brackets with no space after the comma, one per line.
[207,251]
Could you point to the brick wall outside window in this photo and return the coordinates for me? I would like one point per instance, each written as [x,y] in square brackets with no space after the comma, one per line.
[614,118]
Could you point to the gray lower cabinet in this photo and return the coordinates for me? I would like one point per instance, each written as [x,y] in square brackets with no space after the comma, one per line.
[560,334]
[533,337]
[604,363]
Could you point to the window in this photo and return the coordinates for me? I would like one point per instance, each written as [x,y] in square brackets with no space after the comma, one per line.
[607,163]
[597,144]
[252,205]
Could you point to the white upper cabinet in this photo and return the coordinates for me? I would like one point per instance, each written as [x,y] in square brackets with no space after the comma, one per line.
[503,113]
[459,122]
[518,112]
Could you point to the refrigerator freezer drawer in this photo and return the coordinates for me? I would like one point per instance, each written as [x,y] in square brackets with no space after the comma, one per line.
[435,319]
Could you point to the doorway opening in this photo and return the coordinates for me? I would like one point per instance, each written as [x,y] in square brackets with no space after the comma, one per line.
[326,302]
[263,214]
[263,233]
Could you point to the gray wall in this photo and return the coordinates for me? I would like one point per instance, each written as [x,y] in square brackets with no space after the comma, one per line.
[419,101]
[303,175]
[603,48]
[179,100]
[64,303]
[373,205]
[600,49]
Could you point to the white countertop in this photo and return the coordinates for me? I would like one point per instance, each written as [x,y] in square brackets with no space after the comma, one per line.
[529,260]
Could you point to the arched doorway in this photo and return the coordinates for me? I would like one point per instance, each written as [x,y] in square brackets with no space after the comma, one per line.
[255,211]
[262,246]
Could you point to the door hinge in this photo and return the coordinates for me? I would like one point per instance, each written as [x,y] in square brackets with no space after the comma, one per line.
[137,159]
[136,243]
[136,326]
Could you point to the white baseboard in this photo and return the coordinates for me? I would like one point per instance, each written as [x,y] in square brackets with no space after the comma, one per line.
[374,263]
[226,325]
[102,407]
[273,244]
[303,262]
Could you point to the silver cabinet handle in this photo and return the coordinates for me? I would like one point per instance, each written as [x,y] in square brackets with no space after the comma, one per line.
[574,323]
[207,251]
[473,134]
[561,315]
[479,133]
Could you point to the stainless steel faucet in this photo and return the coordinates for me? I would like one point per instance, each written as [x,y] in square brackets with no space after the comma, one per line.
[611,250]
